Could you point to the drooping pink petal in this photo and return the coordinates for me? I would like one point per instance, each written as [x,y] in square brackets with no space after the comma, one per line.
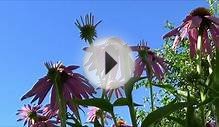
[213,19]
[37,87]
[176,42]
[206,43]
[157,70]
[53,99]
[193,35]
[215,36]
[195,22]
[139,67]
[173,32]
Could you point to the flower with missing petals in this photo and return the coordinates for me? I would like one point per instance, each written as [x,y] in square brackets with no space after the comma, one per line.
[87,28]
[198,22]
[95,113]
[72,85]
[121,123]
[149,61]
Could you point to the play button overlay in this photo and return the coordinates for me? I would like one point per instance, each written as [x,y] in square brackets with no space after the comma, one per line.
[108,63]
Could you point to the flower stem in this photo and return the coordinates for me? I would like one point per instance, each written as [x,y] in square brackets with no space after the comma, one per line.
[199,47]
[199,70]
[61,102]
[151,94]
[101,116]
[216,86]
[132,112]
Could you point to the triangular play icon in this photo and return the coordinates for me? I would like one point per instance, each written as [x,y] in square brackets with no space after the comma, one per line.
[109,63]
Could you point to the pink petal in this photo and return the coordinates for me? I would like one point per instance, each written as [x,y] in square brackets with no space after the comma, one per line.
[37,87]
[215,36]
[206,45]
[139,67]
[157,71]
[195,22]
[176,42]
[173,32]
[213,19]
[193,36]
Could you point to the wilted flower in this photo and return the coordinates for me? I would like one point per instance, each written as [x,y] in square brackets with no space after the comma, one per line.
[32,116]
[149,61]
[198,22]
[121,123]
[73,85]
[96,113]
[87,28]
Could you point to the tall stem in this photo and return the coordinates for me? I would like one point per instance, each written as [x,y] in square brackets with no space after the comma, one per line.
[199,47]
[151,95]
[216,86]
[61,102]
[132,112]
[102,112]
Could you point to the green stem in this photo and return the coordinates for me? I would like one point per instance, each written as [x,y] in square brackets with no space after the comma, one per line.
[216,86]
[132,112]
[202,108]
[199,47]
[61,103]
[101,115]
[151,94]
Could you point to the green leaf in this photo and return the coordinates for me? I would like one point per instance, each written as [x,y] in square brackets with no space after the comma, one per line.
[123,102]
[97,102]
[162,112]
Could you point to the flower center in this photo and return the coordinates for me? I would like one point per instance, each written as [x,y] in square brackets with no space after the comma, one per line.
[88,32]
[32,115]
[57,75]
[201,11]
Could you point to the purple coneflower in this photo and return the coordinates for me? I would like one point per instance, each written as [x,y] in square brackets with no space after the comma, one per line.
[200,22]
[87,28]
[32,116]
[96,113]
[29,114]
[149,61]
[72,85]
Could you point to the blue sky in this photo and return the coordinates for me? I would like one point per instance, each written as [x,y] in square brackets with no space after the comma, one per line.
[34,32]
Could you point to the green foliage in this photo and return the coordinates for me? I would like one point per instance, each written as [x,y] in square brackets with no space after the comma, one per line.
[97,102]
[162,112]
